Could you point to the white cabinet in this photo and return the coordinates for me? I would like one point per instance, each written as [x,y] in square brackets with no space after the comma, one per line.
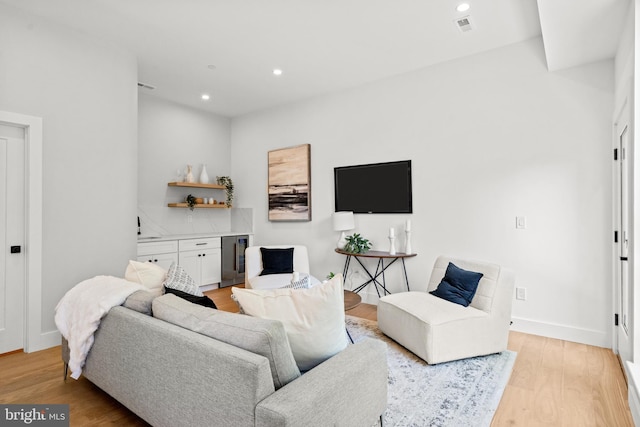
[161,253]
[200,258]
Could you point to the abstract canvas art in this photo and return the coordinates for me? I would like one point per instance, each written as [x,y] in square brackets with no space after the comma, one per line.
[290,184]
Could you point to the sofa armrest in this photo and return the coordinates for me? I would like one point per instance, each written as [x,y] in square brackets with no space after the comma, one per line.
[350,389]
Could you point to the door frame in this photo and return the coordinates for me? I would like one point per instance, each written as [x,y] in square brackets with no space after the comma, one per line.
[33,339]
[622,113]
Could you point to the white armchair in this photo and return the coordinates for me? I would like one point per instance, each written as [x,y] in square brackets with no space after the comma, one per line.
[253,268]
[437,330]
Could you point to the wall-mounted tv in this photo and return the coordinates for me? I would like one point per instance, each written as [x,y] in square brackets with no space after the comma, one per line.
[374,188]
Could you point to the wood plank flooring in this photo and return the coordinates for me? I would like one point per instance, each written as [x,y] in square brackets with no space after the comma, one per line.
[553,383]
[561,383]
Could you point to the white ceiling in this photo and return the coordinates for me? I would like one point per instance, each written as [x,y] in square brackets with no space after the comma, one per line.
[321,45]
[577,33]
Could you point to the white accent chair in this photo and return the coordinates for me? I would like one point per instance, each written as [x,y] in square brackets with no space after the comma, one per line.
[439,331]
[253,268]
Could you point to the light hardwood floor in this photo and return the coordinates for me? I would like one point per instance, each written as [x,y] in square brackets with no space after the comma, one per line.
[553,383]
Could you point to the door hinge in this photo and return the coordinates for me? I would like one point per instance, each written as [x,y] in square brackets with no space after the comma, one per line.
[615,236]
[615,154]
[615,319]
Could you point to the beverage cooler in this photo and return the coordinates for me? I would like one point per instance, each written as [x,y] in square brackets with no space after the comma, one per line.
[233,248]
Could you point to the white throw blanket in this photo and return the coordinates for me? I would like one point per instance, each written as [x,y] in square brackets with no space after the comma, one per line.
[79,312]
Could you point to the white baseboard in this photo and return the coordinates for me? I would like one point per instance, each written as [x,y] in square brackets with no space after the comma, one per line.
[44,341]
[562,332]
[633,377]
[205,288]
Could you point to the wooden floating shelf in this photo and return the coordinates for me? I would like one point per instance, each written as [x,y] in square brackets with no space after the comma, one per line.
[199,205]
[197,185]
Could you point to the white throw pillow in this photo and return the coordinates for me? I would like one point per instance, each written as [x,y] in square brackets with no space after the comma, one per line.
[313,318]
[146,273]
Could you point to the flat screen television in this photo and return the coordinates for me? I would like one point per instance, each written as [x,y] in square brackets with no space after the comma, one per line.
[374,188]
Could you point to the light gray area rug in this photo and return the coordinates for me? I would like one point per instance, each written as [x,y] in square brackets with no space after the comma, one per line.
[461,393]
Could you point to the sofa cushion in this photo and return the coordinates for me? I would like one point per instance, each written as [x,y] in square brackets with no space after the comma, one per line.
[141,300]
[429,309]
[276,261]
[146,273]
[313,318]
[458,285]
[264,337]
[178,279]
[204,301]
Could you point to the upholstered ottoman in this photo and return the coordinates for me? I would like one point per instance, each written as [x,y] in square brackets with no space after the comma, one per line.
[437,330]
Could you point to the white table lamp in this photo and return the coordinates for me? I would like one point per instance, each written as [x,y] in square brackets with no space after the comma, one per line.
[343,221]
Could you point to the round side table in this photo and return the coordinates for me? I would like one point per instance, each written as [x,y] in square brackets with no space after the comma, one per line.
[351,300]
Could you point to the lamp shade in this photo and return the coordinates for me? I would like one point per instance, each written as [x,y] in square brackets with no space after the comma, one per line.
[343,221]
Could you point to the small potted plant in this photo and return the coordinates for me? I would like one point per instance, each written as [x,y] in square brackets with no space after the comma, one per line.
[357,244]
[191,201]
[228,183]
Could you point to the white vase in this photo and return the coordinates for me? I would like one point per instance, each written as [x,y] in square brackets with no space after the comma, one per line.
[204,177]
[189,176]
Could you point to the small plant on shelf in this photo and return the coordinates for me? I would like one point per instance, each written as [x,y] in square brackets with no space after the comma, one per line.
[191,201]
[357,244]
[228,183]
[331,275]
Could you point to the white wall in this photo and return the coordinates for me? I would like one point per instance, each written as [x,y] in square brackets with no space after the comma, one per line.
[170,137]
[86,93]
[490,137]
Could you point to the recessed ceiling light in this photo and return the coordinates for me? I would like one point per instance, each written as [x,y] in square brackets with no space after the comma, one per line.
[463,7]
[211,67]
[205,97]
[277,72]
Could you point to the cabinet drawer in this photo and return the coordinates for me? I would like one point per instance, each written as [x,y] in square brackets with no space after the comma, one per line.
[198,244]
[152,248]
[161,260]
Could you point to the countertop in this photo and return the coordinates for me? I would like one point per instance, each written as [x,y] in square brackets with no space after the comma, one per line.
[145,238]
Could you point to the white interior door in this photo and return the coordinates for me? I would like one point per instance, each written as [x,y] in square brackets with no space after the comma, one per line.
[12,238]
[624,328]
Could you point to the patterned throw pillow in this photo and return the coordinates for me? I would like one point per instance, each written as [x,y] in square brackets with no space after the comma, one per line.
[178,279]
[302,283]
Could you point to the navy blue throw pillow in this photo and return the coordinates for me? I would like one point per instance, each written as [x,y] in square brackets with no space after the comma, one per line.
[203,300]
[276,261]
[458,285]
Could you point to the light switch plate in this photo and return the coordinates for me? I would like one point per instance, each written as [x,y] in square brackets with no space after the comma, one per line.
[521,294]
[521,222]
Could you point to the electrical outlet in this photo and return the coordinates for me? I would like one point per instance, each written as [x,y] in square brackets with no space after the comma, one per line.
[189,218]
[521,294]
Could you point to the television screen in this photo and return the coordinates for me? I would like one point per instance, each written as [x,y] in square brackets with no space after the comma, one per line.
[374,188]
